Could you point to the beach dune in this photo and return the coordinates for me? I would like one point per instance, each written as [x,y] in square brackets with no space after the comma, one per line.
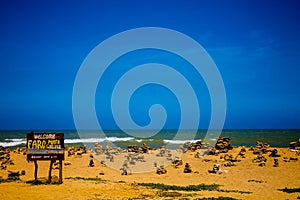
[246,179]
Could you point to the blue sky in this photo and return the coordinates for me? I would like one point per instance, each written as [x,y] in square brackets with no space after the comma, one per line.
[255,45]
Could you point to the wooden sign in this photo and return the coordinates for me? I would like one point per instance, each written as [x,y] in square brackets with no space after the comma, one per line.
[45,146]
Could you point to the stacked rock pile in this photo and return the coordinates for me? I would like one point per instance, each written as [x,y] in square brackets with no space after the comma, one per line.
[223,145]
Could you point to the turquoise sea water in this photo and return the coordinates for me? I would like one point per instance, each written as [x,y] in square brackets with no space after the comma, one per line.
[276,138]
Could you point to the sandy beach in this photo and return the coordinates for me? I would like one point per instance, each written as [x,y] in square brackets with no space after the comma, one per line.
[245,180]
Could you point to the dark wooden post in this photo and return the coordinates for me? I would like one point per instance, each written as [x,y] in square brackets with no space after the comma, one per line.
[35,169]
[60,171]
[50,172]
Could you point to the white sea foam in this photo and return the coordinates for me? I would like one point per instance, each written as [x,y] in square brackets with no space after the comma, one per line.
[94,140]
[212,139]
[12,142]
[179,141]
[16,142]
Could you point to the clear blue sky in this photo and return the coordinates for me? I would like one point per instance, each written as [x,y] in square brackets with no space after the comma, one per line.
[255,44]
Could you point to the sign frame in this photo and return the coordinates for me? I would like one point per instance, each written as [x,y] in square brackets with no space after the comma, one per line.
[45,146]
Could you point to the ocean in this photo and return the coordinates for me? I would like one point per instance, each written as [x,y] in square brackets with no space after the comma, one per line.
[276,138]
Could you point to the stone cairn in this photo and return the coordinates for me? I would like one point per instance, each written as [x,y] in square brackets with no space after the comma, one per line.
[260,159]
[14,175]
[176,162]
[20,151]
[162,152]
[77,151]
[295,146]
[161,170]
[187,168]
[286,159]
[132,148]
[5,158]
[190,146]
[276,164]
[260,148]
[222,146]
[230,160]
[98,148]
[91,163]
[274,153]
[242,152]
[136,149]
[124,168]
[215,169]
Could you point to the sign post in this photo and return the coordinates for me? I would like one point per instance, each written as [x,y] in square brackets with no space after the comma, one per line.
[46,146]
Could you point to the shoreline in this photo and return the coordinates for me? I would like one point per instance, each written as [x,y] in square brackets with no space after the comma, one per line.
[245,180]
[245,137]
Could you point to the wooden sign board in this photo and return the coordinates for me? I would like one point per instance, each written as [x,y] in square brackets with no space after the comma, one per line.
[45,146]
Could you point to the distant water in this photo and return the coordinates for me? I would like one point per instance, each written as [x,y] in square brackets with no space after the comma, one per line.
[276,138]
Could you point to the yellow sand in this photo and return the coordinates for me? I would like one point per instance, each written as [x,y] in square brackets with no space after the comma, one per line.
[264,185]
